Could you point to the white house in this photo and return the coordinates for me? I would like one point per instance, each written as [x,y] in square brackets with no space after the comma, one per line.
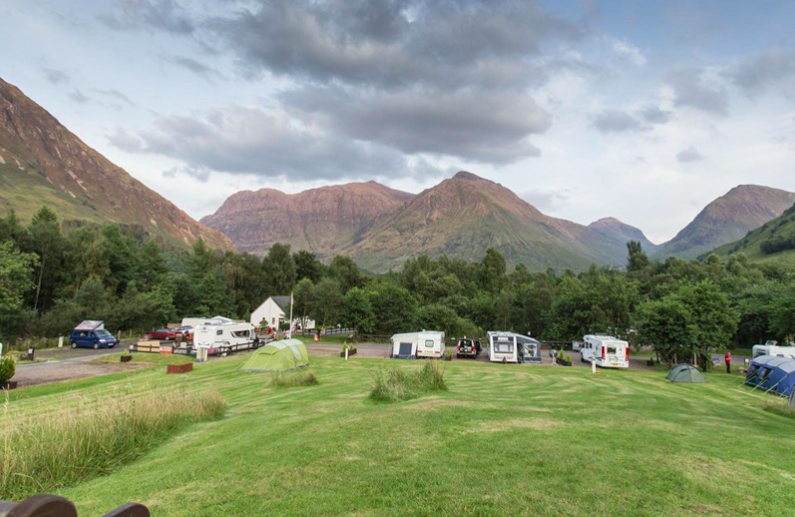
[275,311]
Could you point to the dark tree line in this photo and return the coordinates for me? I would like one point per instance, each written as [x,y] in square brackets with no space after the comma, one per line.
[51,279]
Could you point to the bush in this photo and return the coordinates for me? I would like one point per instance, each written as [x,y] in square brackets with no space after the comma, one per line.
[568,358]
[7,369]
[293,379]
[47,451]
[399,384]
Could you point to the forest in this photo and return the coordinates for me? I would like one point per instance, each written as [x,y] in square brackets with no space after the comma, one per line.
[54,274]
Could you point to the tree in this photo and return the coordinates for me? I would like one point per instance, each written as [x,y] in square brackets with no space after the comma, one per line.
[307,266]
[303,299]
[16,276]
[327,300]
[47,243]
[279,270]
[395,309]
[637,260]
[782,318]
[666,325]
[492,271]
[357,310]
[345,271]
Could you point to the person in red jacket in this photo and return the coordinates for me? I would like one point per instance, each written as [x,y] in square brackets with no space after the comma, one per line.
[728,359]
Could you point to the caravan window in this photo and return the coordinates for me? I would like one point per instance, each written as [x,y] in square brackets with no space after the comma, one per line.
[429,343]
[219,332]
[240,333]
[503,347]
[611,350]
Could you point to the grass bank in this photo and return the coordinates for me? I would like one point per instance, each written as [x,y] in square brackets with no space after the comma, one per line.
[47,450]
[503,440]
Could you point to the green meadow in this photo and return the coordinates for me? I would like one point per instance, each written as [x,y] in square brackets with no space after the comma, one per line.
[502,440]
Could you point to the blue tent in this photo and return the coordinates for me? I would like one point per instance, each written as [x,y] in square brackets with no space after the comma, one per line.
[772,373]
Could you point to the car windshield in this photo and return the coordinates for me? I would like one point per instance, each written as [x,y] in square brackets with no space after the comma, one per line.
[103,333]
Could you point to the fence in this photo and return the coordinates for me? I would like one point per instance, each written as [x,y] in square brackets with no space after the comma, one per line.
[335,331]
[54,506]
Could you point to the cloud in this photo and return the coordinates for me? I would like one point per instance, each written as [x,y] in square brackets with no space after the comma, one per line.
[755,75]
[546,200]
[194,66]
[78,96]
[252,141]
[394,43]
[689,155]
[114,94]
[696,88]
[162,15]
[616,121]
[655,115]
[462,124]
[630,52]
[55,76]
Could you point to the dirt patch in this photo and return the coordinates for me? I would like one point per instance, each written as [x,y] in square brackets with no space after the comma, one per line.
[46,373]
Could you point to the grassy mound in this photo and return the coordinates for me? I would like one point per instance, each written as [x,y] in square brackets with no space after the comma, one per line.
[399,384]
[49,450]
[293,379]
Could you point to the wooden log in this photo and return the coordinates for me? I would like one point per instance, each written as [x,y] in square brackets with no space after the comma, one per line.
[54,506]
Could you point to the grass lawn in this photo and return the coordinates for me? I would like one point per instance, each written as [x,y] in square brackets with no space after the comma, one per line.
[143,357]
[504,440]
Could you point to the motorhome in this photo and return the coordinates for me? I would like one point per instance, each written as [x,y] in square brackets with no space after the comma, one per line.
[509,347]
[411,345]
[605,351]
[772,348]
[224,337]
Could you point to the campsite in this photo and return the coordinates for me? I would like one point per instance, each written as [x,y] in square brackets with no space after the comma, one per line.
[535,440]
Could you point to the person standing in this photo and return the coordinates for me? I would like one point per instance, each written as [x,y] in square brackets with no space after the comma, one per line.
[728,359]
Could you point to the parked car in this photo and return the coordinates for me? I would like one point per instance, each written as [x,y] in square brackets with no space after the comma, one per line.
[468,348]
[163,335]
[91,334]
[186,331]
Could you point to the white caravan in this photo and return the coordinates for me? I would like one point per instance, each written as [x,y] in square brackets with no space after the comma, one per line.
[502,347]
[605,351]
[225,337]
[428,343]
[772,348]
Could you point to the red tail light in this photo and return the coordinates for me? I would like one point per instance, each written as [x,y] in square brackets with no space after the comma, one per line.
[604,353]
[627,353]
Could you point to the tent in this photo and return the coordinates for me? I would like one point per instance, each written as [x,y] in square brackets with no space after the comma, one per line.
[772,373]
[279,356]
[404,346]
[685,373]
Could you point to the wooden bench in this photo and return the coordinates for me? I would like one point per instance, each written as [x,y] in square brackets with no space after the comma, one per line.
[148,346]
[54,506]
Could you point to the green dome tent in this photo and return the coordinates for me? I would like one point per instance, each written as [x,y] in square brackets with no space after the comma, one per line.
[685,373]
[279,356]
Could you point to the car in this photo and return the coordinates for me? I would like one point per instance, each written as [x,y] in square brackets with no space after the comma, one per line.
[163,335]
[468,348]
[186,332]
[92,338]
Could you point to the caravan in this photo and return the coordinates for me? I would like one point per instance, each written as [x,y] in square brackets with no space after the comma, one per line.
[509,347]
[772,348]
[605,351]
[223,337]
[413,345]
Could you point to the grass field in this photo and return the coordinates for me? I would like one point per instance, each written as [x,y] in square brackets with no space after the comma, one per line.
[503,440]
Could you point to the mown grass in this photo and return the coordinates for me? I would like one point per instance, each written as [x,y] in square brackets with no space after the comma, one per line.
[400,384]
[503,440]
[293,379]
[143,357]
[48,450]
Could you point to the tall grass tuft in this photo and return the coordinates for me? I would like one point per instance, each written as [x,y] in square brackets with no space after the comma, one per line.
[44,452]
[399,384]
[779,407]
[293,379]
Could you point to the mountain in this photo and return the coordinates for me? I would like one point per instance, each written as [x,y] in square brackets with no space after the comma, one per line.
[321,220]
[727,219]
[612,235]
[774,241]
[464,215]
[42,163]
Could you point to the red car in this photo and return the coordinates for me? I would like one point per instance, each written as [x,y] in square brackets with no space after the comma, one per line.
[163,335]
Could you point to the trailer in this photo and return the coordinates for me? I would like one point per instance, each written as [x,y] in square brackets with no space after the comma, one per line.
[222,338]
[605,351]
[772,348]
[413,345]
[502,347]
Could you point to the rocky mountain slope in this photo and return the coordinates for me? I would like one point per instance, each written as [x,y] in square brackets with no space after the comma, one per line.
[321,220]
[774,241]
[43,163]
[727,219]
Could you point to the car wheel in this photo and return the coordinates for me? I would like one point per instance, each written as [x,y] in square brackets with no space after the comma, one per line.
[74,345]
[96,346]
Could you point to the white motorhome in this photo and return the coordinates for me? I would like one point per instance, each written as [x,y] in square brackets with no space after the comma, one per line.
[225,337]
[772,348]
[502,347]
[215,320]
[605,351]
[428,343]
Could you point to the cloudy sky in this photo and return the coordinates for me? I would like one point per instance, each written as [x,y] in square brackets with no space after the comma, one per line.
[640,110]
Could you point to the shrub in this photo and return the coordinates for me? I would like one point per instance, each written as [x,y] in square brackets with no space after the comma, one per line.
[560,354]
[51,450]
[293,379]
[7,369]
[399,384]
[568,358]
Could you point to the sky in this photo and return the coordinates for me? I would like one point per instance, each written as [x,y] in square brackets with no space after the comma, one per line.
[643,111]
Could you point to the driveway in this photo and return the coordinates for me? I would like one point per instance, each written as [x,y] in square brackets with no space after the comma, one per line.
[66,363]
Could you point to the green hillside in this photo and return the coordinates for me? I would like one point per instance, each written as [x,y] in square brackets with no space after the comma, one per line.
[773,242]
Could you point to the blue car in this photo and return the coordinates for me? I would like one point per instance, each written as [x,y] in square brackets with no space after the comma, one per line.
[91,334]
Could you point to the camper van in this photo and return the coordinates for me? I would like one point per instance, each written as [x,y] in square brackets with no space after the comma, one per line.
[91,334]
[413,345]
[225,337]
[772,348]
[605,351]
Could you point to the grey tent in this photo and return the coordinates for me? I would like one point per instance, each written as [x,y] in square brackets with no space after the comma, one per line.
[685,373]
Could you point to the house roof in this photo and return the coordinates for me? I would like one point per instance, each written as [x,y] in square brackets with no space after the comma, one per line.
[283,302]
